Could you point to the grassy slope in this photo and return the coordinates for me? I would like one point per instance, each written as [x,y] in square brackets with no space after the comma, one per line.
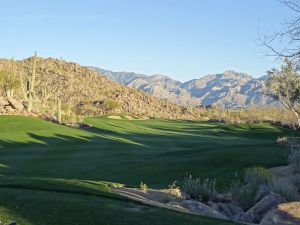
[54,159]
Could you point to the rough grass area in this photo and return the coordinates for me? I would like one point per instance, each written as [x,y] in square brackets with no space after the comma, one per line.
[52,174]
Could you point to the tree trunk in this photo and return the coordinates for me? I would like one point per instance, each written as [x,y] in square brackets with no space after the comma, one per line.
[298,117]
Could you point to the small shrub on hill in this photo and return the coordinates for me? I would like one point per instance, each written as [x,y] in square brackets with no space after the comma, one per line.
[110,105]
[201,190]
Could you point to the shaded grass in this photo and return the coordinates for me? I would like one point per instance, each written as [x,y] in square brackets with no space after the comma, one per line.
[58,166]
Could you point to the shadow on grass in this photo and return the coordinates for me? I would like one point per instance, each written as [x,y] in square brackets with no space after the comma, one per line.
[155,152]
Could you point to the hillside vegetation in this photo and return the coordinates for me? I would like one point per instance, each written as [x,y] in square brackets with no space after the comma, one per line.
[85,92]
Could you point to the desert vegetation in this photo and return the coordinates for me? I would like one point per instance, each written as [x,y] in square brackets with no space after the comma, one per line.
[57,90]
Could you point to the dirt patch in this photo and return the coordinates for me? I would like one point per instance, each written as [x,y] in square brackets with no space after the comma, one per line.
[115,117]
[153,197]
[144,118]
[170,199]
[162,196]
[129,117]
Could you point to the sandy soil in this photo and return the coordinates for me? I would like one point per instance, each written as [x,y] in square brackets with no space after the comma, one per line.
[155,197]
[128,117]
[115,117]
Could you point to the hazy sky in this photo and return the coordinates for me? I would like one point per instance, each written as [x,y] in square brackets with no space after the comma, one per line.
[184,39]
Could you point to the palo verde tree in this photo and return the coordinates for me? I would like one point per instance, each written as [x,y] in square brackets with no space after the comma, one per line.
[286,42]
[284,86]
[8,80]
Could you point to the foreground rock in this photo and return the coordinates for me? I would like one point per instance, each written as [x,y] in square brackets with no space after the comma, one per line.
[228,210]
[283,214]
[201,209]
[171,199]
[260,209]
[18,106]
[10,106]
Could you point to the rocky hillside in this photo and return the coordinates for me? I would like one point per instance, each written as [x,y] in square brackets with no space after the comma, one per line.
[88,93]
[229,89]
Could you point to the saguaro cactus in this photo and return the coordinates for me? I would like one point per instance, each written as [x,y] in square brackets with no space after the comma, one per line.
[46,94]
[32,84]
[59,111]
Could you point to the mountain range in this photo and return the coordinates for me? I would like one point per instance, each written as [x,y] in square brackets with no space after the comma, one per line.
[229,89]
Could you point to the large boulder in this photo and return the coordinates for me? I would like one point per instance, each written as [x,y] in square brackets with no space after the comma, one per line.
[3,101]
[201,209]
[283,214]
[9,109]
[261,208]
[229,210]
[2,110]
[18,106]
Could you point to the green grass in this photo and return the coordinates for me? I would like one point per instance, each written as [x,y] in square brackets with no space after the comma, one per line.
[52,174]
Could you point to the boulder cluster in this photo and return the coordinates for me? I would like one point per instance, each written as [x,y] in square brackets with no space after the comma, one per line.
[10,106]
[272,209]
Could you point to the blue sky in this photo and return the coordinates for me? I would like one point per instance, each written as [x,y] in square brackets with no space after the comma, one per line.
[184,39]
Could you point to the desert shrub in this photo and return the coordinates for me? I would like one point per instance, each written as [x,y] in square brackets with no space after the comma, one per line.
[110,105]
[282,141]
[294,160]
[72,118]
[253,186]
[257,176]
[285,189]
[201,190]
[172,193]
[8,82]
[243,195]
[143,186]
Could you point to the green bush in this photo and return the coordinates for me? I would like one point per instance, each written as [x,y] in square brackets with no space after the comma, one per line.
[257,176]
[253,186]
[285,189]
[243,195]
[110,105]
[294,160]
[201,190]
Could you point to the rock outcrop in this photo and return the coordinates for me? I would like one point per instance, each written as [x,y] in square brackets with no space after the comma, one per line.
[10,106]
[260,209]
[283,214]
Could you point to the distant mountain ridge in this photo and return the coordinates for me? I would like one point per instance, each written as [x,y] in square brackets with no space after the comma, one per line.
[229,89]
